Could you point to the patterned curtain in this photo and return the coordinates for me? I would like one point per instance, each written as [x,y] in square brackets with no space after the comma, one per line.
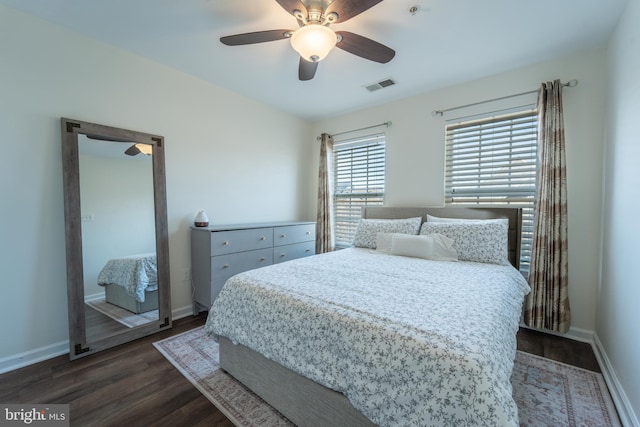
[324,224]
[547,305]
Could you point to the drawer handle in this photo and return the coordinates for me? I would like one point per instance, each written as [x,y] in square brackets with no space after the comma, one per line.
[283,235]
[262,258]
[262,238]
[308,250]
[282,255]
[308,232]
[225,243]
[225,266]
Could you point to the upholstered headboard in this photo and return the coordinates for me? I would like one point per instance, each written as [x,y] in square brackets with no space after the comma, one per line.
[514,215]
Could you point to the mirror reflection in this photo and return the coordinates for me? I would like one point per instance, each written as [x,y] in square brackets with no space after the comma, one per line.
[118,235]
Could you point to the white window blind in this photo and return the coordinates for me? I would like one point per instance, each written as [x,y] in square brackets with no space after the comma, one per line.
[493,162]
[359,166]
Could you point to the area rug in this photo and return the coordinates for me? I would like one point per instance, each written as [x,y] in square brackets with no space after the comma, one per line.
[547,393]
[127,318]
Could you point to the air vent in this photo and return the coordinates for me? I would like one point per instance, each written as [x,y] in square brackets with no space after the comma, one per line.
[379,85]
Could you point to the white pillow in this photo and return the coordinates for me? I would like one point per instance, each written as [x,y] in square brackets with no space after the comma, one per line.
[365,236]
[434,246]
[383,242]
[432,218]
[478,241]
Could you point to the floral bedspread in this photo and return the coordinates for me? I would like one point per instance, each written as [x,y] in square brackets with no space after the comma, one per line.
[409,341]
[135,273]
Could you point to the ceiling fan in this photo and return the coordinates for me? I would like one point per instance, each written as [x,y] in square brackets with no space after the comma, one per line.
[313,40]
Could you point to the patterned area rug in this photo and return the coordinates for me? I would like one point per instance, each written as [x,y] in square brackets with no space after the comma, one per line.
[548,393]
[127,318]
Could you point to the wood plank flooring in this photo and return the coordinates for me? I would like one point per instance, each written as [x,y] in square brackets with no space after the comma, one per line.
[134,385]
[100,325]
[558,348]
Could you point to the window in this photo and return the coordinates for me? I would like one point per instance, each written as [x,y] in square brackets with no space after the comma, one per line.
[359,181]
[493,161]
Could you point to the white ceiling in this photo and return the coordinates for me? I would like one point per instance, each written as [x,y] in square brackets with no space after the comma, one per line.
[447,42]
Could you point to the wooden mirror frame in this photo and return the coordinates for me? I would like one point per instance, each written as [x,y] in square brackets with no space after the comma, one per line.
[71,129]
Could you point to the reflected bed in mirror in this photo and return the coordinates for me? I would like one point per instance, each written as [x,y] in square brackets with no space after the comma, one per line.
[117,249]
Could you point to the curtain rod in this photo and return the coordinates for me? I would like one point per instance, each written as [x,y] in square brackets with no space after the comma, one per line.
[387,124]
[440,113]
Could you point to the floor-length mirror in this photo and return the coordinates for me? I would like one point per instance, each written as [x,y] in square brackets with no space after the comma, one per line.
[117,249]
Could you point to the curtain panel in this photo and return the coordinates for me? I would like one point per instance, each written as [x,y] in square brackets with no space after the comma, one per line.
[324,220]
[547,306]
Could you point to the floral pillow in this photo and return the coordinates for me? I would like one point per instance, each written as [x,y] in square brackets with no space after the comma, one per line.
[478,241]
[367,230]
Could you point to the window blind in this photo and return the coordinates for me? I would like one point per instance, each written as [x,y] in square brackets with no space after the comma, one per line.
[359,169]
[493,161]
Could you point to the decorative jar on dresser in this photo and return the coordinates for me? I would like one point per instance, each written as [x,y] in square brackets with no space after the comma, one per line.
[221,251]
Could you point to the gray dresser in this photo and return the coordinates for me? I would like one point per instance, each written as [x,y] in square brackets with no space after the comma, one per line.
[221,251]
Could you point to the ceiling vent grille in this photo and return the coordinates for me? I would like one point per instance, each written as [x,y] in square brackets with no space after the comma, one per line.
[379,85]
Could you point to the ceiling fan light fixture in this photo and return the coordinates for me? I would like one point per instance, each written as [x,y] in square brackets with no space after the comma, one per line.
[145,149]
[136,149]
[313,41]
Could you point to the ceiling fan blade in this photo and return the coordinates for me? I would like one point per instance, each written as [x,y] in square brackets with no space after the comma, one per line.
[306,69]
[107,138]
[132,151]
[256,37]
[292,5]
[364,47]
[347,9]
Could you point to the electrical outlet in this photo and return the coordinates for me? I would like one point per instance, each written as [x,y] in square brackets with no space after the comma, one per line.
[86,217]
[186,275]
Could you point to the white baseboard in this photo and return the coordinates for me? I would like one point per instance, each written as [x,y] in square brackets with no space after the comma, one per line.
[50,351]
[93,297]
[627,415]
[30,357]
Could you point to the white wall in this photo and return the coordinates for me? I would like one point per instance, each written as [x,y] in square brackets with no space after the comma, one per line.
[239,160]
[619,289]
[415,154]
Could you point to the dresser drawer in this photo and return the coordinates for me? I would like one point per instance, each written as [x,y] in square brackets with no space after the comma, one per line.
[297,250]
[219,252]
[225,266]
[294,234]
[228,242]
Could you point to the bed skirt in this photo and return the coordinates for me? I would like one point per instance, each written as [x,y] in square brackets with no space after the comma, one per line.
[302,401]
[117,295]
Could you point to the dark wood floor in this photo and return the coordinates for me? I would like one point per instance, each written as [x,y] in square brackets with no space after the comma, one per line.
[558,348]
[100,325]
[134,385]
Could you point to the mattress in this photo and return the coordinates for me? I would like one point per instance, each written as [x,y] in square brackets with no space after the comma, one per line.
[408,341]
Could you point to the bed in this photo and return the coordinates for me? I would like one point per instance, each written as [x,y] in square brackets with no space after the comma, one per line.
[364,336]
[131,282]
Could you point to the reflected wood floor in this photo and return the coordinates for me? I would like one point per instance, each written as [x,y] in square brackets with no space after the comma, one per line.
[100,325]
[133,384]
